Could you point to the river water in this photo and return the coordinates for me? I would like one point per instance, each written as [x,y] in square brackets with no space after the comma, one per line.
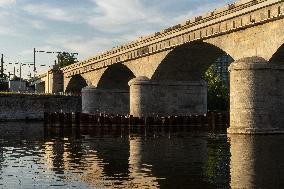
[32,156]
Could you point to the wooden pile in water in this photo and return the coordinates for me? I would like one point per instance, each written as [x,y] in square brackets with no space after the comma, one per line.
[211,120]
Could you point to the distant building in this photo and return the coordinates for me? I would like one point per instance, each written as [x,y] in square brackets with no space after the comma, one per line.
[221,67]
[17,85]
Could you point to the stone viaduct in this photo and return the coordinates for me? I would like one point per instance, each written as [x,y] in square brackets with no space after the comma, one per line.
[164,69]
[49,82]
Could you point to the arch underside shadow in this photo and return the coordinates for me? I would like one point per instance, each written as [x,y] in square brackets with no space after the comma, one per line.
[187,62]
[76,84]
[116,77]
[278,56]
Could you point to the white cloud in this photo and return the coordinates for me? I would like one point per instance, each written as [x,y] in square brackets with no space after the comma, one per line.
[5,3]
[52,13]
[114,13]
[114,16]
[85,47]
[37,24]
[132,18]
[6,26]
[123,17]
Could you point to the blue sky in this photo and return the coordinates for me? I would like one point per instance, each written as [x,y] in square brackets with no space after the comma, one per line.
[85,26]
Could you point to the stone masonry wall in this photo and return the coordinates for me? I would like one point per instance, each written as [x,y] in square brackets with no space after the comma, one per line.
[23,106]
[148,98]
[105,100]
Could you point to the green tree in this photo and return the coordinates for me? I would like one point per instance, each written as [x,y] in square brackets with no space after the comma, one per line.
[4,86]
[66,59]
[4,83]
[218,92]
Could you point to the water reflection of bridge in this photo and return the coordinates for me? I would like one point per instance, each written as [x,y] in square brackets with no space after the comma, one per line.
[109,162]
[152,158]
[143,159]
[148,159]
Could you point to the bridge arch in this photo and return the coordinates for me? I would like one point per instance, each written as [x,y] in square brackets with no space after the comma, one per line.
[177,86]
[188,62]
[111,95]
[116,76]
[76,84]
[198,61]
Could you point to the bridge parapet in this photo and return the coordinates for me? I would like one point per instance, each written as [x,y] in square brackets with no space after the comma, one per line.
[234,17]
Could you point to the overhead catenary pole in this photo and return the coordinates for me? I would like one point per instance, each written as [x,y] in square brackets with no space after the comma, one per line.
[2,66]
[34,62]
[20,71]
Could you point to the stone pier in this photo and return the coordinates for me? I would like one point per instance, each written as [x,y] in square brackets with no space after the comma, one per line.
[256,92]
[148,98]
[112,101]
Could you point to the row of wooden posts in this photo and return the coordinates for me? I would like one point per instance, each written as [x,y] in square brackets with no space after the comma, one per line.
[210,120]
